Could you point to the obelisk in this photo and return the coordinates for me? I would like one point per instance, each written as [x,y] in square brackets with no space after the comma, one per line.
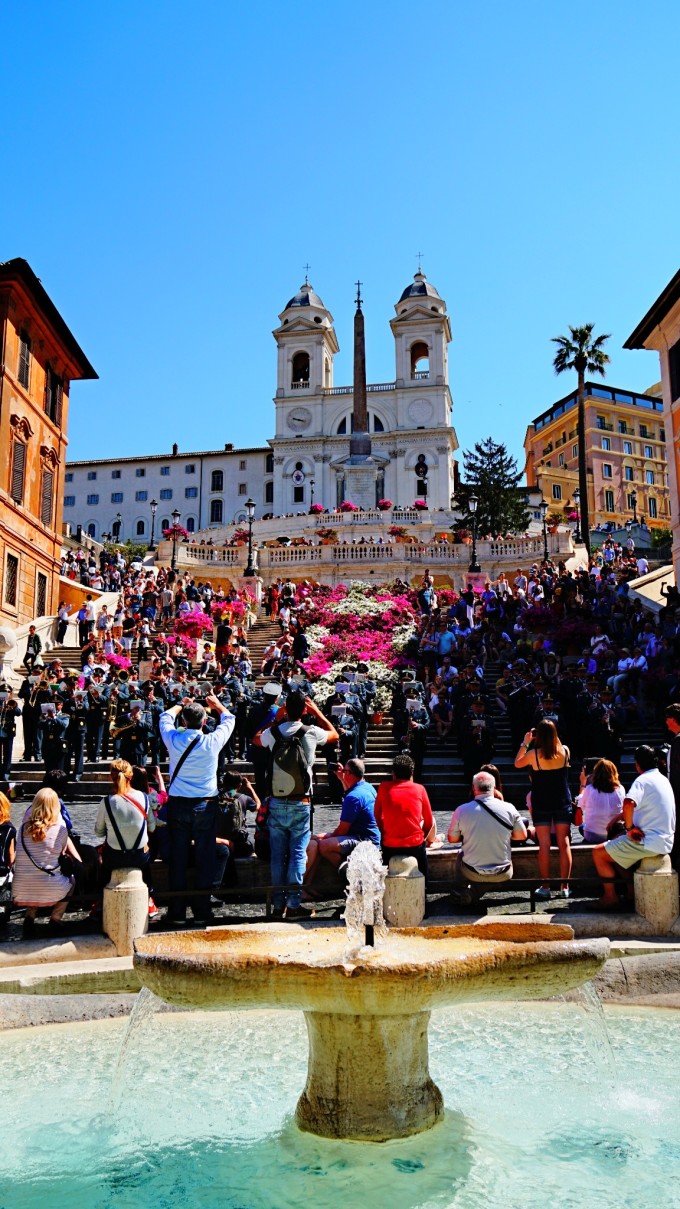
[360,468]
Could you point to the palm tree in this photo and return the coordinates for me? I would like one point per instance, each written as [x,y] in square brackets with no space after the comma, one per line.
[580,352]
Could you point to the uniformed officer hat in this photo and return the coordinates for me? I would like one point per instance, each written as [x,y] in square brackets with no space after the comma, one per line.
[348,667]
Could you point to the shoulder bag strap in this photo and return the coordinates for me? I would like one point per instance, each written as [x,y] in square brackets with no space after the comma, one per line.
[116,828]
[187,751]
[43,868]
[503,823]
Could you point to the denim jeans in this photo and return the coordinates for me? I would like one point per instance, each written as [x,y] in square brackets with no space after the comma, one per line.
[289,835]
[191,819]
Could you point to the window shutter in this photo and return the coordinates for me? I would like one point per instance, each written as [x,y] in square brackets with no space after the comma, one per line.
[18,471]
[47,401]
[46,499]
[58,395]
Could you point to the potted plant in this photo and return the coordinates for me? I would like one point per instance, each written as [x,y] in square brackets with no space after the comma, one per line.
[384,505]
[398,532]
[421,505]
[348,506]
[316,509]
[328,536]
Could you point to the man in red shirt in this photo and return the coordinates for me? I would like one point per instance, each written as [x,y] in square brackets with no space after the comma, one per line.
[404,815]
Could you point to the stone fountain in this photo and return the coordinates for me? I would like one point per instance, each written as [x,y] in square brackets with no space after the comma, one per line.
[367,1007]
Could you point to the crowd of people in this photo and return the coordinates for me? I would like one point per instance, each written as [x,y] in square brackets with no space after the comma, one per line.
[580,666]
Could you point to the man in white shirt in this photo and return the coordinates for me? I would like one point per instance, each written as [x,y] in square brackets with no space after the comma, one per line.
[649,815]
[289,805]
[642,565]
[485,826]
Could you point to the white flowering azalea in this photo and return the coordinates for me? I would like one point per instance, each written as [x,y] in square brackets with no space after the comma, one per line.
[315,636]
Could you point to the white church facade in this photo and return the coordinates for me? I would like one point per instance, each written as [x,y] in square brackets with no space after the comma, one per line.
[409,422]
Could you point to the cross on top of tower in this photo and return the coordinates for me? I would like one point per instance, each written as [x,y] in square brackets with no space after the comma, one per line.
[306,267]
[419,258]
[358,285]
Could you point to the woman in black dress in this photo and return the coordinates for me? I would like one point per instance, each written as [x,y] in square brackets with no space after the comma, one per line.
[551,809]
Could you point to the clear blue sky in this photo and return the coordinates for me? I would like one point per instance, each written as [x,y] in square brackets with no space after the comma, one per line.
[169,168]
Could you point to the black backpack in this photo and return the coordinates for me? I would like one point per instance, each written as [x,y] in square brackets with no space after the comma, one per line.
[290,768]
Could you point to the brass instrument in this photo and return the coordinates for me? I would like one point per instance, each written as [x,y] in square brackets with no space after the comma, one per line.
[118,730]
[113,706]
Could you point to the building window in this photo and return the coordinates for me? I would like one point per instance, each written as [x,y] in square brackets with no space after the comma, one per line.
[191,524]
[662,434]
[68,477]
[165,471]
[165,524]
[91,476]
[601,421]
[651,504]
[91,529]
[298,495]
[606,470]
[11,580]
[420,360]
[141,496]
[628,448]
[242,464]
[606,443]
[609,501]
[628,474]
[243,488]
[190,468]
[115,474]
[300,376]
[644,431]
[54,390]
[141,528]
[140,472]
[41,595]
[269,464]
[623,427]
[629,501]
[215,512]
[649,477]
[269,492]
[18,471]
[94,499]
[649,452]
[574,451]
[46,498]
[556,491]
[69,501]
[560,460]
[166,493]
[116,497]
[190,493]
[217,481]
[24,374]
[342,427]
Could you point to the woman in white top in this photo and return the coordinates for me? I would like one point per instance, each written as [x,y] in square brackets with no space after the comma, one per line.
[601,801]
[38,880]
[123,822]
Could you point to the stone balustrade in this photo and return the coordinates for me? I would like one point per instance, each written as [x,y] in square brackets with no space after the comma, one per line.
[394,516]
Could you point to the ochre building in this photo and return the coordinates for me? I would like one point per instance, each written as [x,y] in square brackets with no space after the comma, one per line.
[40,359]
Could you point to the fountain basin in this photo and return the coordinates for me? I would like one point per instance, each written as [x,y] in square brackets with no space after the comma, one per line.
[367,1016]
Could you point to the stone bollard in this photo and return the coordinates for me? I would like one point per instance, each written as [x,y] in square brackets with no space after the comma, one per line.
[404,898]
[656,893]
[126,909]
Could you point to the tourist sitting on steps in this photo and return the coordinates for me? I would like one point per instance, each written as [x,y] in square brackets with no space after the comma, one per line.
[38,879]
[404,815]
[357,823]
[485,826]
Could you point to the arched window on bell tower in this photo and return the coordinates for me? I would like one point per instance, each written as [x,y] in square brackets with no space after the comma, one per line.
[300,374]
[420,360]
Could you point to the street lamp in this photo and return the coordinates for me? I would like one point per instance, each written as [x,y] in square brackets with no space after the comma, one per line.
[175,525]
[544,512]
[472,508]
[577,499]
[311,488]
[250,509]
[633,500]
[116,527]
[153,505]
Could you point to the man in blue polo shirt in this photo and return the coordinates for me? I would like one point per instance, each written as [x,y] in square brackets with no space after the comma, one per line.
[357,823]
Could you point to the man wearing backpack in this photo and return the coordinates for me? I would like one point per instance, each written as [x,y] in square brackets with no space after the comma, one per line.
[293,747]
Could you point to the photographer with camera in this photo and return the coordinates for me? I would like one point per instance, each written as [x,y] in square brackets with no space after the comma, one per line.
[293,747]
[192,796]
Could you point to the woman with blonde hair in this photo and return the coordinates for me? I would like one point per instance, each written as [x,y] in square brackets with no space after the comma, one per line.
[8,836]
[547,760]
[38,879]
[601,801]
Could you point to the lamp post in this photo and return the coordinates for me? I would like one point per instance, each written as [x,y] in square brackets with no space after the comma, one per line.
[250,509]
[633,500]
[311,489]
[153,505]
[472,507]
[116,527]
[544,512]
[175,524]
[577,498]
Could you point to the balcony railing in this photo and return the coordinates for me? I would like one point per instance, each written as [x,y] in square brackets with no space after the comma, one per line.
[401,516]
[349,390]
[603,426]
[299,386]
[419,375]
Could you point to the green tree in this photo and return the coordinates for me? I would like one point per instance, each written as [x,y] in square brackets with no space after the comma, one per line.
[492,476]
[581,352]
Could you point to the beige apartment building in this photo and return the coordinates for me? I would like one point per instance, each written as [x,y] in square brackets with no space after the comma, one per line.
[625,456]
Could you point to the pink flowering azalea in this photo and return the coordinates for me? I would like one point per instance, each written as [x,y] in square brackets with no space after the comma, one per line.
[348,506]
[193,624]
[385,505]
[420,504]
[316,508]
[120,662]
[177,532]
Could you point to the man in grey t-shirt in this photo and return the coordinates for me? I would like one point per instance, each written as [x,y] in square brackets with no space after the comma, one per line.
[485,826]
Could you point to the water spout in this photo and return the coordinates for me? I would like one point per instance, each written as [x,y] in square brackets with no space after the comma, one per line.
[365,888]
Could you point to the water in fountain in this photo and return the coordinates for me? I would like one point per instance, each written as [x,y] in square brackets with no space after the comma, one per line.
[146,1004]
[364,907]
[596,1031]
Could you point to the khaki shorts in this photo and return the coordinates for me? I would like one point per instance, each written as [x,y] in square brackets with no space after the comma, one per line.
[626,853]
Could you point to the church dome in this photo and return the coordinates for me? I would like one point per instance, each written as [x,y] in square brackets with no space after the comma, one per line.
[420,288]
[306,297]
